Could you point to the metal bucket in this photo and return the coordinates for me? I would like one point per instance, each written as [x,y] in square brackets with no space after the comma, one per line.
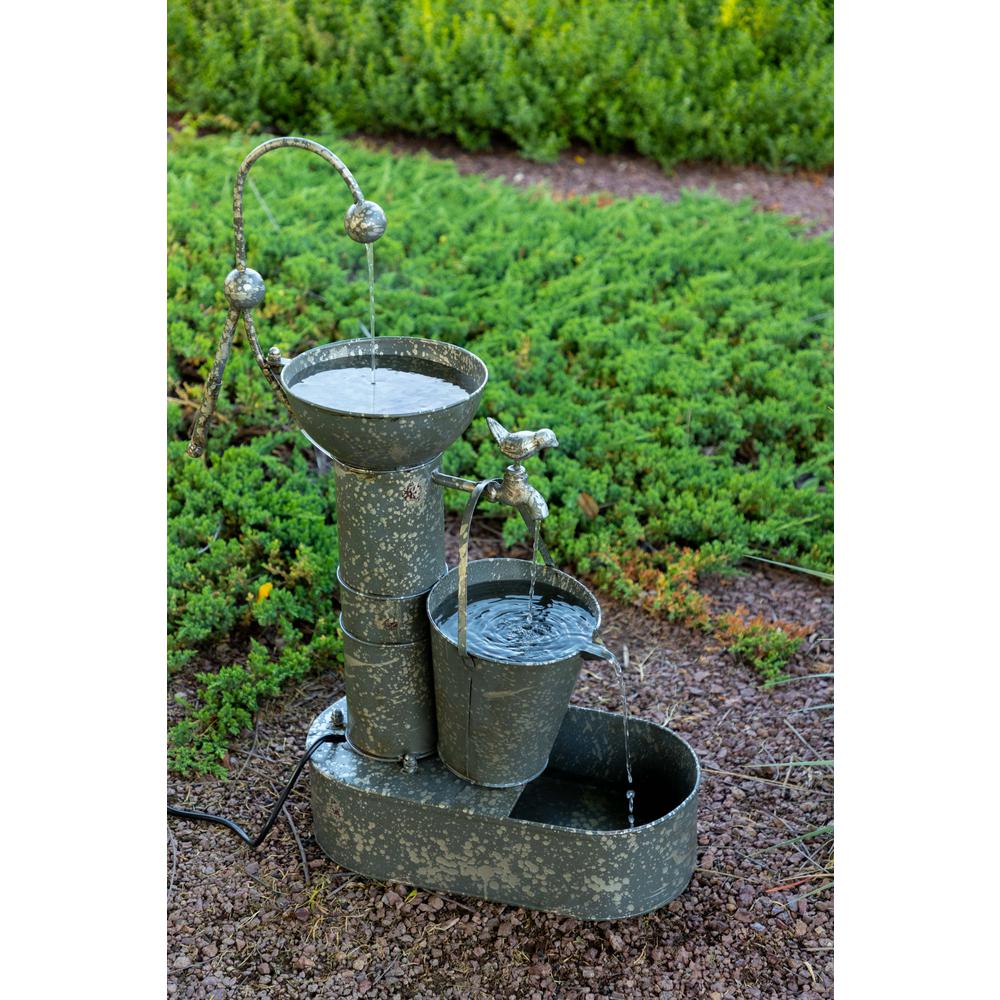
[389,525]
[497,721]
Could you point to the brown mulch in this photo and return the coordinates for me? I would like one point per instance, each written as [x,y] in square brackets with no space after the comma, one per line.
[804,195]
[265,925]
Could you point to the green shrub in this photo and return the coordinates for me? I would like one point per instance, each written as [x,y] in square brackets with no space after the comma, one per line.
[681,352]
[765,645]
[745,81]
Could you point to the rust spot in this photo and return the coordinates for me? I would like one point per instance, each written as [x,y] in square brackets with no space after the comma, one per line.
[411,492]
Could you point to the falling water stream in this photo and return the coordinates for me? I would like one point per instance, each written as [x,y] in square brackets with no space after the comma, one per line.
[370,254]
[602,652]
[630,792]
[534,571]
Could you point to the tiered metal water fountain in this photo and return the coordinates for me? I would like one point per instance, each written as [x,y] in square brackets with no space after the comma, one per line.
[460,770]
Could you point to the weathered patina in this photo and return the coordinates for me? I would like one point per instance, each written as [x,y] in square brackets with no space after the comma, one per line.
[425,724]
[497,720]
[561,843]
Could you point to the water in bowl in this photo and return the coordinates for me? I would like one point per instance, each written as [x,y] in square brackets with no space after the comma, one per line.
[420,386]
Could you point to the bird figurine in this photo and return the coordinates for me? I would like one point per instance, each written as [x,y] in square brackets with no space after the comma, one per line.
[520,445]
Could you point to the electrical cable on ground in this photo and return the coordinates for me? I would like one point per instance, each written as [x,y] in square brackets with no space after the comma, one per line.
[255,842]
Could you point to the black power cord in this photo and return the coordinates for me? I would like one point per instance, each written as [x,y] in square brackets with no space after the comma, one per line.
[255,842]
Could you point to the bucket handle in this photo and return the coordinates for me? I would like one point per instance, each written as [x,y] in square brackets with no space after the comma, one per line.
[463,558]
[463,561]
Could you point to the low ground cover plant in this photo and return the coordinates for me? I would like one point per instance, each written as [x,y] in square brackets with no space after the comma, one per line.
[681,352]
[742,81]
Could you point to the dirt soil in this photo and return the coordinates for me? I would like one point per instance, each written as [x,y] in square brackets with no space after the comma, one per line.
[285,922]
[804,195]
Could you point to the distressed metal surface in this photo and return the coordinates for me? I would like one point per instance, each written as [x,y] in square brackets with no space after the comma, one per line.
[391,529]
[383,441]
[365,222]
[519,445]
[497,721]
[390,697]
[282,142]
[429,783]
[560,842]
[244,289]
[386,620]
[515,491]
[431,830]
[213,384]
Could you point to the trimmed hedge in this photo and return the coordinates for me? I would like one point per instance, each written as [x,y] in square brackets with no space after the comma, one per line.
[681,352]
[742,81]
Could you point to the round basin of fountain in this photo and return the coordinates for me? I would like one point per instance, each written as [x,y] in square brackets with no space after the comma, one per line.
[500,702]
[424,394]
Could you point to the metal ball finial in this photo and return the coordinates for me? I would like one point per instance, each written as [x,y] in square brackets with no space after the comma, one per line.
[365,222]
[244,289]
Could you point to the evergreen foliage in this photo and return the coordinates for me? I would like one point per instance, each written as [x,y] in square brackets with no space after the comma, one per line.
[743,81]
[681,352]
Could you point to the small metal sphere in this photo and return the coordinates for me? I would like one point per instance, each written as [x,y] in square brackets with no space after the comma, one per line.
[409,763]
[274,357]
[244,289]
[365,223]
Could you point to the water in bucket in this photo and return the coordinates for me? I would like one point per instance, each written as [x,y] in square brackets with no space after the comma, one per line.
[501,628]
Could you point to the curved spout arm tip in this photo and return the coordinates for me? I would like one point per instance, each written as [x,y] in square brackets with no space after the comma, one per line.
[365,221]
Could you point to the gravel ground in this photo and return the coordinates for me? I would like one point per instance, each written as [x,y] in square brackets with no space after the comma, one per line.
[285,922]
[807,196]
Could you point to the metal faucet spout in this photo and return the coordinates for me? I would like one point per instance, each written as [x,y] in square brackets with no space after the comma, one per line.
[514,490]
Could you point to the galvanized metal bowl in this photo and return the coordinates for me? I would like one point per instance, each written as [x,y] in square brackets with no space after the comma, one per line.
[497,720]
[385,441]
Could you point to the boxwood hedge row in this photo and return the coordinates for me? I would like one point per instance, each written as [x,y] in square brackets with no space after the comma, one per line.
[743,81]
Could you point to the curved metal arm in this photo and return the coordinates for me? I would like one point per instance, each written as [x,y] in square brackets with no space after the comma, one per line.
[244,287]
[288,141]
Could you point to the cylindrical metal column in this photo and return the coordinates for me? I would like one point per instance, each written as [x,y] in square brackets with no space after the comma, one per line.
[390,698]
[391,530]
[391,621]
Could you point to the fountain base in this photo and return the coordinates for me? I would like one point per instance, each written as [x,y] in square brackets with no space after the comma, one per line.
[560,843]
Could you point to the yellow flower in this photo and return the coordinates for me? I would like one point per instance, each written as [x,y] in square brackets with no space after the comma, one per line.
[264,591]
